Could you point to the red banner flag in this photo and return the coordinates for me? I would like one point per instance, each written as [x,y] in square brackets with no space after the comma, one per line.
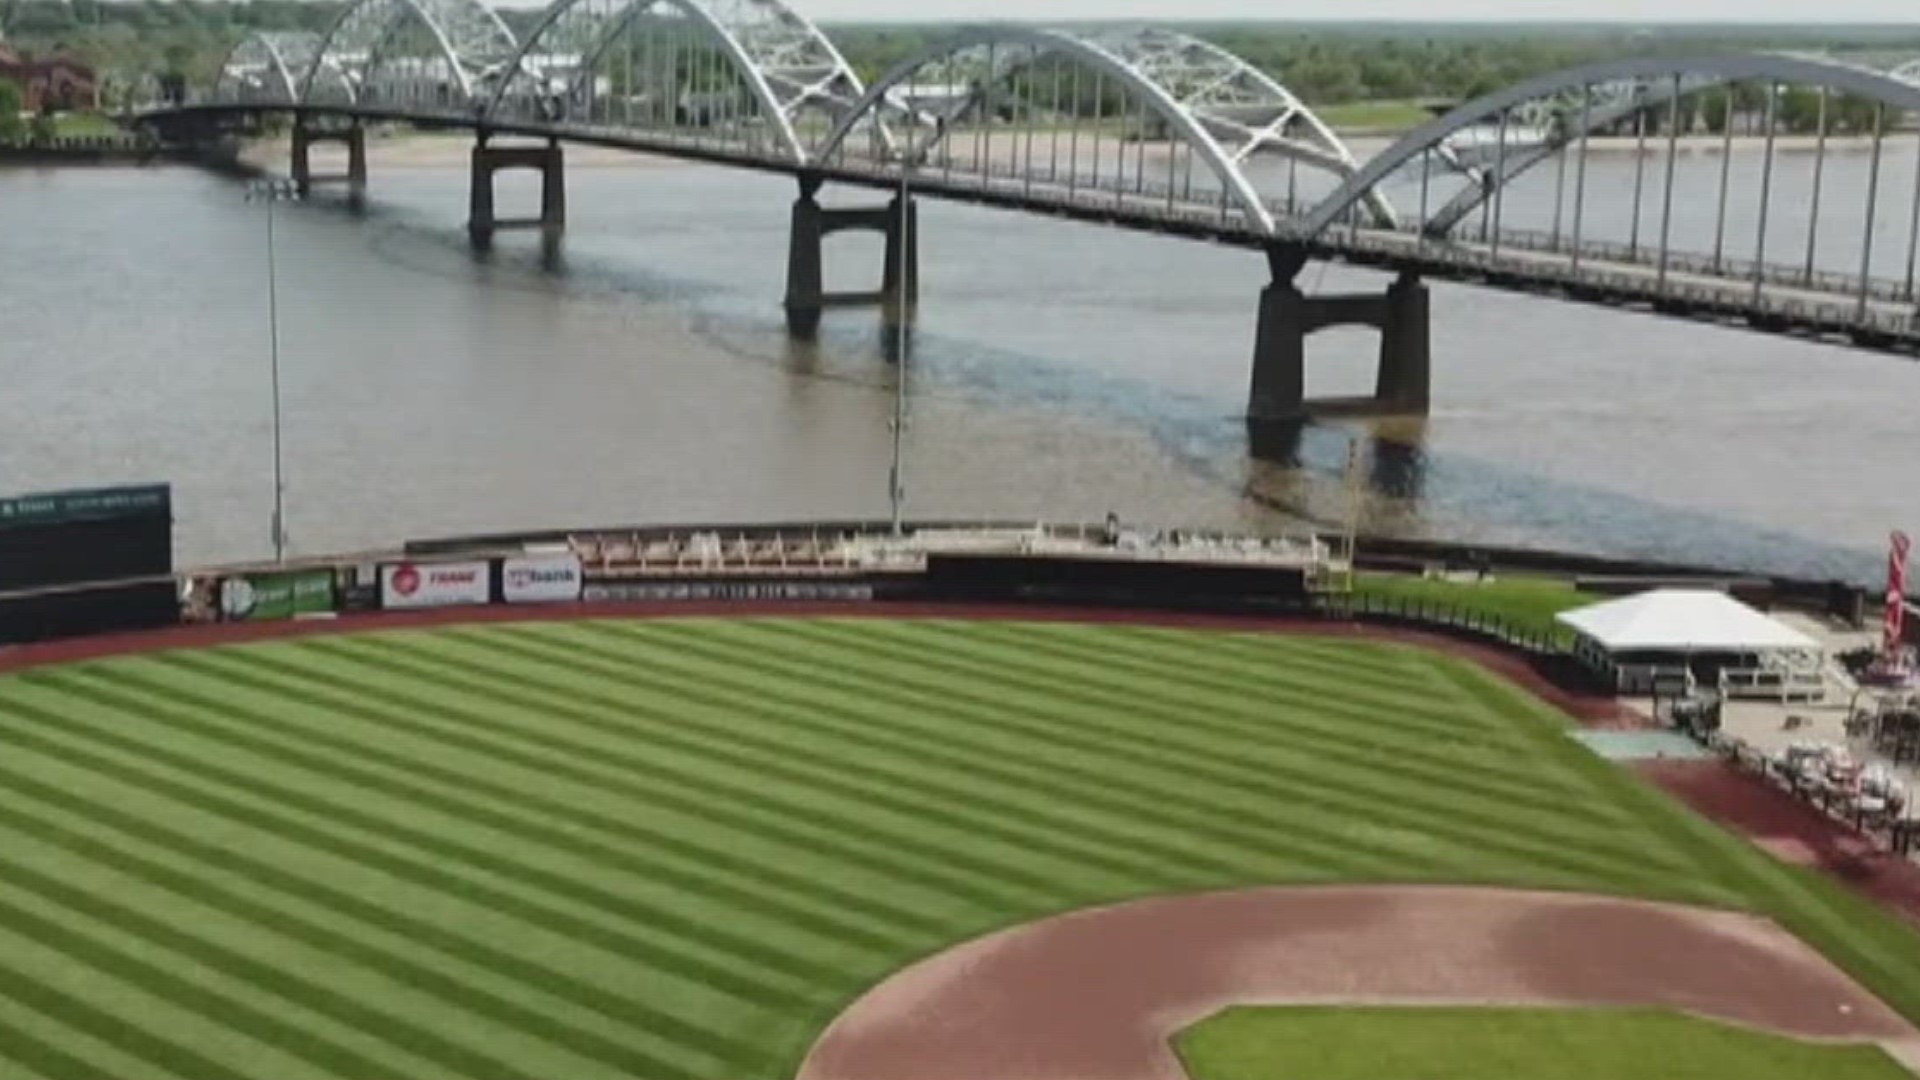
[1895,629]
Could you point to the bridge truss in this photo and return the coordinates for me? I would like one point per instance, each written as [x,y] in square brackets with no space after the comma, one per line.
[748,73]
[435,56]
[1144,117]
[267,68]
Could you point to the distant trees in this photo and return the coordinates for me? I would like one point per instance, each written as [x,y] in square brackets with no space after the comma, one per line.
[1802,111]
[12,101]
[1323,63]
[128,39]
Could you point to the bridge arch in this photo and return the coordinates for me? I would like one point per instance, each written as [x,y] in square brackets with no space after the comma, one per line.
[1656,79]
[1224,109]
[266,68]
[436,52]
[785,63]
[1907,72]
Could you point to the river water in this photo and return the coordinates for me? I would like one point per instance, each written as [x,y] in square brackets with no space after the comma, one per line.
[642,374]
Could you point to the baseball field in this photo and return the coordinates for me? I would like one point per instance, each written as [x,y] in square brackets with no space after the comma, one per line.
[682,848]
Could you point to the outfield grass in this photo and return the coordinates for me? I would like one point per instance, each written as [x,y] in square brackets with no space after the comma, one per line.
[1527,603]
[1538,1044]
[677,849]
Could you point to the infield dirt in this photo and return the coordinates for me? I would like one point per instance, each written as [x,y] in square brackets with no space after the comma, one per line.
[1101,993]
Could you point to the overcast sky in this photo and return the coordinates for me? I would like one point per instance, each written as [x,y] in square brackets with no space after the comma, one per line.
[1903,11]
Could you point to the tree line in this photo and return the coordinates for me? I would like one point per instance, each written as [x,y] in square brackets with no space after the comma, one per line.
[131,40]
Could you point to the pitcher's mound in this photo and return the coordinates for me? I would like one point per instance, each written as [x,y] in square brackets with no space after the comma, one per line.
[1100,993]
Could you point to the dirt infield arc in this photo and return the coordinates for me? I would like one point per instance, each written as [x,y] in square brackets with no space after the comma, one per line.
[1100,993]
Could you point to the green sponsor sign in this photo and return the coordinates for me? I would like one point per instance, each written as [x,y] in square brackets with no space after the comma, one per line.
[59,507]
[263,597]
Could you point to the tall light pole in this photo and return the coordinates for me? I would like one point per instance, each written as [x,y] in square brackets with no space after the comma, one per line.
[271,192]
[896,478]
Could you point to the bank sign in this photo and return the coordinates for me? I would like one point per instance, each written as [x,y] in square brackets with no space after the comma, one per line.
[427,585]
[61,507]
[263,597]
[546,579]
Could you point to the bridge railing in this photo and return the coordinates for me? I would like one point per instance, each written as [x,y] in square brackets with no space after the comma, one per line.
[1783,275]
[1203,204]
[1734,298]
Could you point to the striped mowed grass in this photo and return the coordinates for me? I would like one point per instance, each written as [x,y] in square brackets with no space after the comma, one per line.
[676,849]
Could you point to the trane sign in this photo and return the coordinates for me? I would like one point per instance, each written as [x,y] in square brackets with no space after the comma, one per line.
[543,579]
[425,585]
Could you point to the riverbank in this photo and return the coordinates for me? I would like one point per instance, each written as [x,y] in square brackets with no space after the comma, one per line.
[84,151]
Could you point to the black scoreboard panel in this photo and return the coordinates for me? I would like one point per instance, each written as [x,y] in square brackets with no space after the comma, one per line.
[53,546]
[1115,580]
[73,552]
[48,616]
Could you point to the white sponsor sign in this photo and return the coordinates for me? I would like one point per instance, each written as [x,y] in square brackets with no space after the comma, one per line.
[542,579]
[425,585]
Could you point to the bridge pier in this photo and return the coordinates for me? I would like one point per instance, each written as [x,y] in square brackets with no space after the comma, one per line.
[807,296]
[1288,317]
[304,138]
[549,160]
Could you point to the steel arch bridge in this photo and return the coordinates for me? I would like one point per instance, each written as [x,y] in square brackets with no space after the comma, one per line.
[1162,133]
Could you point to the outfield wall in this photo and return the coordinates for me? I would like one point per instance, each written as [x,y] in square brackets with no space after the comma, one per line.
[535,569]
[1594,573]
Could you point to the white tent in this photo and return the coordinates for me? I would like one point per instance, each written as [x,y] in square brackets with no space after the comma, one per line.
[1683,620]
[1637,641]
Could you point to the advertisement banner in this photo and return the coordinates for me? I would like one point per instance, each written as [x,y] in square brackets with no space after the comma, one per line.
[61,507]
[543,579]
[266,597]
[426,585]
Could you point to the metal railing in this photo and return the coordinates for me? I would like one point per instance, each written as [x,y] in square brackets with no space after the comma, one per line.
[1784,684]
[1453,619]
